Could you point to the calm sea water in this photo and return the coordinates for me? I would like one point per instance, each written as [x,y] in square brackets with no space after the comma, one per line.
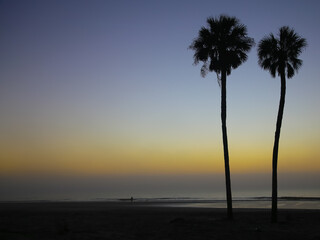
[194,191]
[287,200]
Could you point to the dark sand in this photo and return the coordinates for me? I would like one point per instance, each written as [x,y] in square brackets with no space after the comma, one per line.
[100,220]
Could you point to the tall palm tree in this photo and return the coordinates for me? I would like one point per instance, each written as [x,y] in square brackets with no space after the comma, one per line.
[221,47]
[279,55]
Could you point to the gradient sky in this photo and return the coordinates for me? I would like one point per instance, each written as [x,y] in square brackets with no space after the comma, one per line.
[109,88]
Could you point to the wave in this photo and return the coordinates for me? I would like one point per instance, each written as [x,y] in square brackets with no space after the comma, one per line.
[208,200]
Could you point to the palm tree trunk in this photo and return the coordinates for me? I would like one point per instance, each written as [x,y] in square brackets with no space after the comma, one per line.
[225,142]
[275,150]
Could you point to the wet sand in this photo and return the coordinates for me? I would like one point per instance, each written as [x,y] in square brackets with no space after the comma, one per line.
[125,220]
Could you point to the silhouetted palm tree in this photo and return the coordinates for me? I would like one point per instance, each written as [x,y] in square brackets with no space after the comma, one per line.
[221,47]
[279,55]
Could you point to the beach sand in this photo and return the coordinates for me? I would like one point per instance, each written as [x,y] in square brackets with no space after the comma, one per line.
[125,220]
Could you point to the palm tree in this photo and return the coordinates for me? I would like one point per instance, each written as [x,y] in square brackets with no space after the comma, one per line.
[221,47]
[279,55]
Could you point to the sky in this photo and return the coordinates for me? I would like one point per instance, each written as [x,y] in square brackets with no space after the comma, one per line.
[92,89]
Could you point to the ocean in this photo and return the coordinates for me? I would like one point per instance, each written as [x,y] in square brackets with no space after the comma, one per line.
[190,191]
[287,201]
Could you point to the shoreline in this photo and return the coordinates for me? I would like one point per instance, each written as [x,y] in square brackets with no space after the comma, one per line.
[166,199]
[312,203]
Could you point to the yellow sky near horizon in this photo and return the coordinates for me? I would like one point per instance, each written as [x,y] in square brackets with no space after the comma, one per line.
[156,156]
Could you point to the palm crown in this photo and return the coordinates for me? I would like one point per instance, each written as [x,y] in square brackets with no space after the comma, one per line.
[221,46]
[280,54]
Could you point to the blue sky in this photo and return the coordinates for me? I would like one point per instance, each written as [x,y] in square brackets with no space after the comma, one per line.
[113,83]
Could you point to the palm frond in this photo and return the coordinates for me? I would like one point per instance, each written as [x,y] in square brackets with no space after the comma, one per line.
[280,54]
[222,45]
[204,69]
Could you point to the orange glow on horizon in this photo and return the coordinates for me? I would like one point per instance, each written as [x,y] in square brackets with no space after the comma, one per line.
[152,160]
